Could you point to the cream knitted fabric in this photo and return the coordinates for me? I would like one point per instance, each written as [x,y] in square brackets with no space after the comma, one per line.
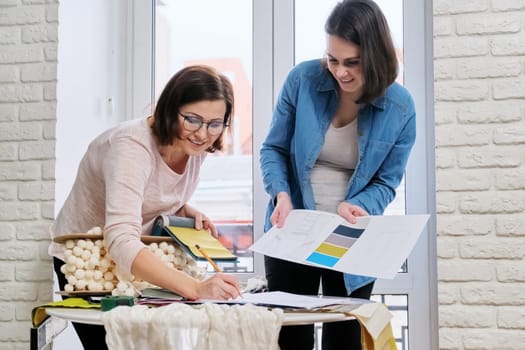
[198,327]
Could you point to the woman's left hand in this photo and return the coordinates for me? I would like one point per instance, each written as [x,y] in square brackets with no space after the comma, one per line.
[350,211]
[201,220]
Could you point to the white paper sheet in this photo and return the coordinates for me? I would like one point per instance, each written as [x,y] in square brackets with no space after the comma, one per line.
[283,299]
[376,246]
[298,301]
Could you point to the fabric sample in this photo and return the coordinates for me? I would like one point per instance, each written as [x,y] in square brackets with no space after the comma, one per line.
[200,327]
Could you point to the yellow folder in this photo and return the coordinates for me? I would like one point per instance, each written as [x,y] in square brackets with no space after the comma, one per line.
[187,238]
[183,232]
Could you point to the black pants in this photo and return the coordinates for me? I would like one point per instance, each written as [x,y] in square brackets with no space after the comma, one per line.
[92,337]
[303,279]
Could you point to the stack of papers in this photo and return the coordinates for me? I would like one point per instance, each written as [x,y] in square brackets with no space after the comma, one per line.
[159,296]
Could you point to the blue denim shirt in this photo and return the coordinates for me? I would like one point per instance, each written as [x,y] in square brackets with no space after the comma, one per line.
[304,110]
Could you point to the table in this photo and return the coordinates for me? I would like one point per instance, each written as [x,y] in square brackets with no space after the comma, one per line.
[92,316]
[298,310]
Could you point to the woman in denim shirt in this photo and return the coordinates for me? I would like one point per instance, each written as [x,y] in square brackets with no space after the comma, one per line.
[339,141]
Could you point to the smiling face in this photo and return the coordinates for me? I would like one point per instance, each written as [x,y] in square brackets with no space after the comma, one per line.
[344,62]
[193,142]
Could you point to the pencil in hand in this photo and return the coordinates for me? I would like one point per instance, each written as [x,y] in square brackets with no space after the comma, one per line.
[217,268]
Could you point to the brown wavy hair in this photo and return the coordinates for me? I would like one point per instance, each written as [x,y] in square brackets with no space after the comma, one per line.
[189,85]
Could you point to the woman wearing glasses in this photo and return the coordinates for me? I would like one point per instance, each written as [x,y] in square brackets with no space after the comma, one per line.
[140,169]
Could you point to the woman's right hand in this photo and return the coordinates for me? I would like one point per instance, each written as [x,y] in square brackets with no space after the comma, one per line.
[149,267]
[283,207]
[219,287]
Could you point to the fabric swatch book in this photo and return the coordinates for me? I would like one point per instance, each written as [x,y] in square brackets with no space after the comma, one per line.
[183,231]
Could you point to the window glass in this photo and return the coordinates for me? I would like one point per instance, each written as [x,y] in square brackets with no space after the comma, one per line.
[209,32]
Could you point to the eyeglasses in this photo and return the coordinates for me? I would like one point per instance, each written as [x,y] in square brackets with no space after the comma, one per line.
[192,123]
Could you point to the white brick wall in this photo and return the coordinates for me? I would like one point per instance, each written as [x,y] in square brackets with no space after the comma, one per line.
[479,63]
[28,77]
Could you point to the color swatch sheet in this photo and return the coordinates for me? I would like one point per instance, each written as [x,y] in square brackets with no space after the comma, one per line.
[335,246]
[375,246]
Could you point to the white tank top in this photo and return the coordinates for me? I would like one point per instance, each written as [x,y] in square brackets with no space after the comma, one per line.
[334,166]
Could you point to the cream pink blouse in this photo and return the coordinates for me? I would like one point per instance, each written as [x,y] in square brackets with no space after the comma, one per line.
[122,184]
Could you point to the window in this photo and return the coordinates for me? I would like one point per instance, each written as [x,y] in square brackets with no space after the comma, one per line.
[258,43]
[220,38]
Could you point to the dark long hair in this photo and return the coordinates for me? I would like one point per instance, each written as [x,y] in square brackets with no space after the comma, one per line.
[190,84]
[362,22]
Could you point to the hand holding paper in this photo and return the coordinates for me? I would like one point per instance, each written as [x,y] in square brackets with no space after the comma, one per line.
[375,246]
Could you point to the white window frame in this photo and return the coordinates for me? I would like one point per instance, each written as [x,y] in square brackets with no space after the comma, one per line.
[273,47]
[263,98]
[140,57]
